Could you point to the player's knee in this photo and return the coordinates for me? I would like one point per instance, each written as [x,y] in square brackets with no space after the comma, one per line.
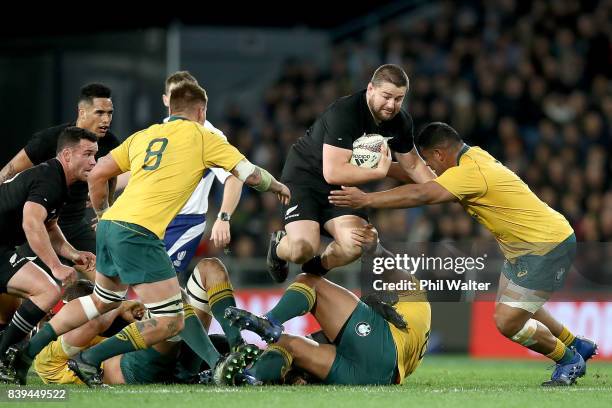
[301,251]
[49,296]
[507,325]
[212,271]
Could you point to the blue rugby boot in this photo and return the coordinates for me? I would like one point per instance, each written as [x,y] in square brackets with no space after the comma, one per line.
[566,374]
[585,347]
[269,332]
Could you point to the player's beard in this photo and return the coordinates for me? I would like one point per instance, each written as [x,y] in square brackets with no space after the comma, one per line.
[379,114]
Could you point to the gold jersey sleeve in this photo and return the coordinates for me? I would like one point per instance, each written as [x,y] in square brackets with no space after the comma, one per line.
[51,364]
[411,343]
[166,162]
[498,199]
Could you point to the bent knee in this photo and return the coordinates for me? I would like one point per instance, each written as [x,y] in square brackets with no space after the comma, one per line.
[49,296]
[302,251]
[507,325]
[212,270]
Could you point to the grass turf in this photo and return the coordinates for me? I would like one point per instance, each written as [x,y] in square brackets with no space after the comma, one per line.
[441,381]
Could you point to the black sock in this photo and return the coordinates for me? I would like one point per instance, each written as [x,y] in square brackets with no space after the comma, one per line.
[3,326]
[314,266]
[24,320]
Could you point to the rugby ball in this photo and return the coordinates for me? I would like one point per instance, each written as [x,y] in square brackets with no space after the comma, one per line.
[366,150]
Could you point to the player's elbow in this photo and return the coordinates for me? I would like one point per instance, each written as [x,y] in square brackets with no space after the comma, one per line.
[331,175]
[30,224]
[253,179]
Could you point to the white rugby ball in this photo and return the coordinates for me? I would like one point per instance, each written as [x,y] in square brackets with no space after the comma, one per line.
[366,150]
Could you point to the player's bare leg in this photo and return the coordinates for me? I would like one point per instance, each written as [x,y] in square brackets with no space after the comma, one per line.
[164,303]
[330,304]
[112,371]
[301,242]
[514,313]
[211,292]
[39,292]
[107,296]
[343,250]
[298,243]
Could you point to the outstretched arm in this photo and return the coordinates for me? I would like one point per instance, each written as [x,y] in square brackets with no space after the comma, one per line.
[261,180]
[410,195]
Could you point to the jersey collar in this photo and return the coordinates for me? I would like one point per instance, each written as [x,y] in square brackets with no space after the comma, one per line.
[175,117]
[464,149]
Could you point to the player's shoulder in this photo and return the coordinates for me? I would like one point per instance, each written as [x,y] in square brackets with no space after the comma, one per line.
[405,117]
[52,132]
[110,139]
[210,127]
[50,171]
[475,154]
[348,103]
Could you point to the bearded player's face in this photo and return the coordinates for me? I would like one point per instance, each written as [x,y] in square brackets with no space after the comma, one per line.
[385,100]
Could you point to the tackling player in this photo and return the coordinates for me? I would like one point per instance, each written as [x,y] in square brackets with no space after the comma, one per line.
[538,242]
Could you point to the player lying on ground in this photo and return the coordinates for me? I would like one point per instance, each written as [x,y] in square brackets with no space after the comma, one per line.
[167,161]
[365,349]
[538,242]
[164,362]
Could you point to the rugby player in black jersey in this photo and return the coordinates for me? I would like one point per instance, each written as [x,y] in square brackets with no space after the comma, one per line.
[95,113]
[320,162]
[29,206]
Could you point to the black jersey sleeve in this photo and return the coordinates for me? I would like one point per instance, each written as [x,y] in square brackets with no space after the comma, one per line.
[404,141]
[46,194]
[341,126]
[42,145]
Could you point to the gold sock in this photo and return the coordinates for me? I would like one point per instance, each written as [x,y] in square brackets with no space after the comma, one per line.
[566,336]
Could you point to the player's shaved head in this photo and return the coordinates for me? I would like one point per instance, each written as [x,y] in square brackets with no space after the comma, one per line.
[187,97]
[390,73]
[437,135]
[179,77]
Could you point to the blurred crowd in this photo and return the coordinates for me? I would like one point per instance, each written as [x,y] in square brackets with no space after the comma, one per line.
[531,82]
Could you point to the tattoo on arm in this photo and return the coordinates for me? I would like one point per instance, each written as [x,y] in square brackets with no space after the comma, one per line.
[254,178]
[143,325]
[172,327]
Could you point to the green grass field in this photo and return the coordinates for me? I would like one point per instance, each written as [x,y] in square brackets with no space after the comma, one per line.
[439,382]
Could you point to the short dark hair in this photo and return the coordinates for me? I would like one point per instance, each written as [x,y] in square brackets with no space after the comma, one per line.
[436,134]
[94,90]
[178,77]
[72,135]
[80,288]
[390,73]
[185,96]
